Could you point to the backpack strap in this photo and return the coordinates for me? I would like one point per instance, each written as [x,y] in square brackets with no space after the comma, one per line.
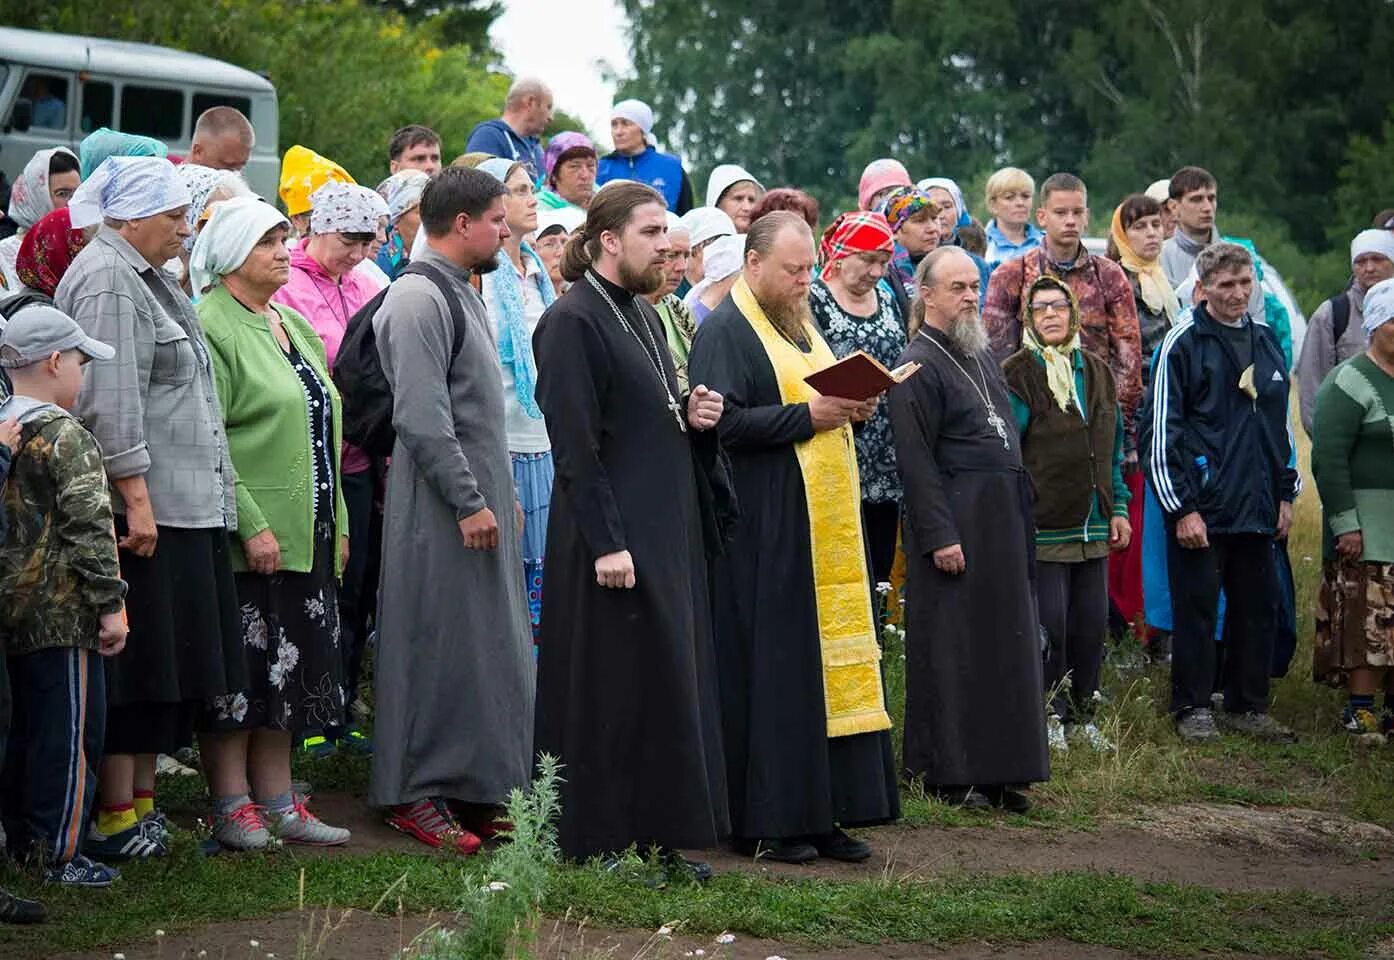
[457,309]
[1340,315]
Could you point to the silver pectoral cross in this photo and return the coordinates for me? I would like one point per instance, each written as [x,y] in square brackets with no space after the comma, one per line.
[1000,425]
[676,407]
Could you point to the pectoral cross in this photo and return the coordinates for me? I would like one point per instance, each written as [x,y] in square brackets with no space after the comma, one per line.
[675,406]
[998,424]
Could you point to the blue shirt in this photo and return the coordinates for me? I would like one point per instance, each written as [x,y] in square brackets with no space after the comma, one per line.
[500,140]
[662,171]
[1000,249]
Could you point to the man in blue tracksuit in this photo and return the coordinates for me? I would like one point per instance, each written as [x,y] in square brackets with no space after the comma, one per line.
[1219,452]
[526,112]
[636,158]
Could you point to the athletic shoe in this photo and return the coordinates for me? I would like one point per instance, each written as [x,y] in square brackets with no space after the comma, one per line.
[431,822]
[782,850]
[1055,735]
[82,872]
[676,867]
[837,845]
[15,909]
[1091,735]
[1362,721]
[156,825]
[170,767]
[355,741]
[299,825]
[133,843]
[1260,726]
[319,746]
[1197,725]
[242,829]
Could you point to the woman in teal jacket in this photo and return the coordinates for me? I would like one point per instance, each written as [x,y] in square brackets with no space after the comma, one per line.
[283,422]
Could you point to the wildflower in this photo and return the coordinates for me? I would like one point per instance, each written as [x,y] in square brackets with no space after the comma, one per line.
[665,931]
[159,933]
[497,885]
[254,944]
[775,957]
[725,938]
[118,956]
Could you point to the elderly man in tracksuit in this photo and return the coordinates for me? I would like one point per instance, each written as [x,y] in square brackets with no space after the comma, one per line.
[1219,459]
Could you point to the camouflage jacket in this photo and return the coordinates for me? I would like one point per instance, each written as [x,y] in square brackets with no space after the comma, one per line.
[58,566]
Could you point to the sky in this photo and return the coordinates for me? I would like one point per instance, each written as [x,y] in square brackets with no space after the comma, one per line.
[567,54]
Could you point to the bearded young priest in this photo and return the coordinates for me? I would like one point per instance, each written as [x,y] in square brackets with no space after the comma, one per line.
[974,710]
[808,747]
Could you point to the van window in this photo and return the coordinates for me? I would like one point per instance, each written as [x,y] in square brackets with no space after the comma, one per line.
[98,100]
[49,94]
[153,111]
[203,101]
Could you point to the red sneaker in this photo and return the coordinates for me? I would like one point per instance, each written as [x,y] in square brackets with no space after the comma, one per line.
[430,821]
[488,821]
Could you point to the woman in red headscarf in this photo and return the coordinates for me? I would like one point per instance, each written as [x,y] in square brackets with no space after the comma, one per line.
[857,311]
[48,248]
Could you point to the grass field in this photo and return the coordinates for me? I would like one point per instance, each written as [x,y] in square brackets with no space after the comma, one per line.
[1002,899]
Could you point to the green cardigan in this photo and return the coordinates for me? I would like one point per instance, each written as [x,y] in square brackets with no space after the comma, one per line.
[268,426]
[1353,454]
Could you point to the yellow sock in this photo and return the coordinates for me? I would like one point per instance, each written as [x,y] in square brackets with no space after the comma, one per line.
[144,804]
[110,821]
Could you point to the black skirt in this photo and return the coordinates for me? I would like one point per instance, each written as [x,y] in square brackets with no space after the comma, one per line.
[290,634]
[185,642]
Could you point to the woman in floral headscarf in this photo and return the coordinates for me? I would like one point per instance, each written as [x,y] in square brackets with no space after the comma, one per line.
[1067,411]
[207,186]
[48,180]
[46,251]
[914,218]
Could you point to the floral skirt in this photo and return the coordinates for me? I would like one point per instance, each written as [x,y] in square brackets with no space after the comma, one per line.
[1355,619]
[532,477]
[290,629]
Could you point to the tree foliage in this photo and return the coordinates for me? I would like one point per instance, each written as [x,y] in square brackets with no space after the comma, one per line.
[1279,98]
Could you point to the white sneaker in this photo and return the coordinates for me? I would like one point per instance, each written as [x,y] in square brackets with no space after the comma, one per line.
[242,829]
[170,767]
[1091,735]
[1055,735]
[298,825]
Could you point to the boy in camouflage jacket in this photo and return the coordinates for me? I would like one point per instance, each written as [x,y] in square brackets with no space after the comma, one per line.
[63,593]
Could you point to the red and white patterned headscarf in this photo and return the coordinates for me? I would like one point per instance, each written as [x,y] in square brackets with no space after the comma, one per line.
[858,231]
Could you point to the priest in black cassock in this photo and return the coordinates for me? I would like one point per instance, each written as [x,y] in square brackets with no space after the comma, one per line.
[626,686]
[974,712]
[808,746]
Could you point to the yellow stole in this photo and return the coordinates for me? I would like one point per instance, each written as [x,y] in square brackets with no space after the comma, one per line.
[852,691]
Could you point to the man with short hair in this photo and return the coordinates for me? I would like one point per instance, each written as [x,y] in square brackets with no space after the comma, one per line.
[1107,310]
[636,157]
[414,147]
[223,139]
[1220,463]
[514,136]
[626,680]
[1193,199]
[453,715]
[570,165]
[1334,331]
[974,714]
[807,732]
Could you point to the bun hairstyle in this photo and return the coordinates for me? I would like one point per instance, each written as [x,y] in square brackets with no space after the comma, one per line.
[610,209]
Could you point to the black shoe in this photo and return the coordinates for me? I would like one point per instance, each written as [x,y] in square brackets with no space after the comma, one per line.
[967,798]
[15,909]
[677,867]
[781,850]
[1012,801]
[838,846]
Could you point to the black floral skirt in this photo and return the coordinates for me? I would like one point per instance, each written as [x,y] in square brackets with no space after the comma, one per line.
[290,629]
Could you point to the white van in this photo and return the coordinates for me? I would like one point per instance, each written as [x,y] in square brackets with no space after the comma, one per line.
[56,88]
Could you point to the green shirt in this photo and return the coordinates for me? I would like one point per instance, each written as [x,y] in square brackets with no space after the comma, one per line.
[268,425]
[1353,454]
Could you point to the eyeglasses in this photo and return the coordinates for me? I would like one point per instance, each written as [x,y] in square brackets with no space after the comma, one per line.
[1050,306]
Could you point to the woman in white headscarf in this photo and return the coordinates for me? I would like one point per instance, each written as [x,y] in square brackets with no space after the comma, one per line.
[734,191]
[46,183]
[207,186]
[284,424]
[721,265]
[154,410]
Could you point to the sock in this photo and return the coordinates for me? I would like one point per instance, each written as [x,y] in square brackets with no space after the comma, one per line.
[116,817]
[223,806]
[144,803]
[281,803]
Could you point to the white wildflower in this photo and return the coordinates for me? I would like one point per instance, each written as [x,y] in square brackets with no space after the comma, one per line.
[118,956]
[159,933]
[254,944]
[725,938]
[775,957]
[699,952]
[496,886]
[665,931]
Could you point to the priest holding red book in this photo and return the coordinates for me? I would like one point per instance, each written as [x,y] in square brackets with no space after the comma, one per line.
[805,724]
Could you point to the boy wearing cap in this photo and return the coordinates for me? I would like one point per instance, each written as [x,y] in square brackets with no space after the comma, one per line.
[64,596]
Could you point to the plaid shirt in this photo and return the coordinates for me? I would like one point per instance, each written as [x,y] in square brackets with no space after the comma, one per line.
[153,408]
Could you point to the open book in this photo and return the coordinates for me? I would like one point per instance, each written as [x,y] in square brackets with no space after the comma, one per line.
[859,376]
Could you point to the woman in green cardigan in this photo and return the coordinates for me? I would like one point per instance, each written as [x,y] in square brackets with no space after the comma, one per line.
[1353,465]
[283,422]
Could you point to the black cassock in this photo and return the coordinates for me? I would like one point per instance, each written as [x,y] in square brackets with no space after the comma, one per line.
[974,705]
[626,685]
[787,778]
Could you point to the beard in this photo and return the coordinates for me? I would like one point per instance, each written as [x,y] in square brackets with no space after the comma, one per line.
[967,333]
[642,280]
[789,316]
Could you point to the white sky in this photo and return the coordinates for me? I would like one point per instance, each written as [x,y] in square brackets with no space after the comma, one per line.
[566,50]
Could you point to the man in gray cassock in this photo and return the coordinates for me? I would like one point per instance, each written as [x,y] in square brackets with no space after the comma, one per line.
[455,669]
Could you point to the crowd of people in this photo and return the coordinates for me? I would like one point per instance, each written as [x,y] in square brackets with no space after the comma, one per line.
[538,428]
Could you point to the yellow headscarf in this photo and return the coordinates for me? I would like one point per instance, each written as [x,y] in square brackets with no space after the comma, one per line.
[1156,291]
[302,173]
[1059,359]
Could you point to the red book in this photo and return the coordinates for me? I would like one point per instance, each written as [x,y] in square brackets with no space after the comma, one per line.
[859,376]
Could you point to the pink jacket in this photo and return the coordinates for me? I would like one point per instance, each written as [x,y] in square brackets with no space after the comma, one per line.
[327,305]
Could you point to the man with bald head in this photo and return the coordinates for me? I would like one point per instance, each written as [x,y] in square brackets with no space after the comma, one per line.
[807,733]
[223,139]
[974,714]
[514,136]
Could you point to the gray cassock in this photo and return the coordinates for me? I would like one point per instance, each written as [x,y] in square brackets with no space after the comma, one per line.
[456,678]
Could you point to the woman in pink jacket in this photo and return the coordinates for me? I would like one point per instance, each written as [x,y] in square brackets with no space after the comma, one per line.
[346,224]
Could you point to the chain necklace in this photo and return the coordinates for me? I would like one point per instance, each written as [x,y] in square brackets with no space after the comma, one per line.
[650,350]
[993,419]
